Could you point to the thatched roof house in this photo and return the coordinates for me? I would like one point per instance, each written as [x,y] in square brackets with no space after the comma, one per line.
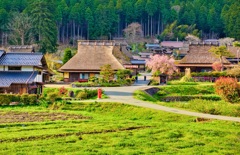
[91,56]
[200,59]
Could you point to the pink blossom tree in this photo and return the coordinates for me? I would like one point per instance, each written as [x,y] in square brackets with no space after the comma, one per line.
[163,63]
[217,66]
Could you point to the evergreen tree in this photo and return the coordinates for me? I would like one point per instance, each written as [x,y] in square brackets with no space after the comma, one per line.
[44,25]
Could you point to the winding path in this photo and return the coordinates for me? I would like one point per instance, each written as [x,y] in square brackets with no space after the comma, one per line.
[125,95]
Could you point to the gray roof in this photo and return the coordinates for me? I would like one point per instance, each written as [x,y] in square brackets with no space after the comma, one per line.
[1,53]
[138,62]
[8,78]
[21,59]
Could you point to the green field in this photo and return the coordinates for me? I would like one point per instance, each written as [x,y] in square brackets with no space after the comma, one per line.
[112,128]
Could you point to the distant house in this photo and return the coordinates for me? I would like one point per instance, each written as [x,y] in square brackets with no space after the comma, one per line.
[22,72]
[91,56]
[199,59]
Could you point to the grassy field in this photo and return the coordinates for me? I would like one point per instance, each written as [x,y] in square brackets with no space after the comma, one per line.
[112,128]
[204,99]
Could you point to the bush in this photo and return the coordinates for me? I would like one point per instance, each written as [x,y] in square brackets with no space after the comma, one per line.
[53,96]
[91,93]
[190,97]
[63,91]
[46,91]
[188,89]
[32,99]
[181,83]
[4,99]
[82,95]
[228,89]
[187,79]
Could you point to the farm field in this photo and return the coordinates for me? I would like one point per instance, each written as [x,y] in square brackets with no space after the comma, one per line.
[111,128]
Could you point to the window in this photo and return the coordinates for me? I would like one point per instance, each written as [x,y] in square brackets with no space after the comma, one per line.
[14,68]
[83,76]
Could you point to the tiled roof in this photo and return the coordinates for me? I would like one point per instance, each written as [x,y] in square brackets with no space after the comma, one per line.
[175,44]
[21,59]
[1,53]
[8,78]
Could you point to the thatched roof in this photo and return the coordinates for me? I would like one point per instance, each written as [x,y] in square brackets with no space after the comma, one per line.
[199,54]
[91,58]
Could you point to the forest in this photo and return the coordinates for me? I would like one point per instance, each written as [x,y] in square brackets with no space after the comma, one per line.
[50,23]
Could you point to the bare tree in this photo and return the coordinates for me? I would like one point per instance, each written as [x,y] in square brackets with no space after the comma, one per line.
[226,41]
[133,33]
[20,29]
[192,38]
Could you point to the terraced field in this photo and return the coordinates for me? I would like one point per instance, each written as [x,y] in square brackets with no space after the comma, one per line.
[112,128]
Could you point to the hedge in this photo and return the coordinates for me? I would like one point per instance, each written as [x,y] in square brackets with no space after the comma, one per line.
[188,89]
[190,97]
[26,99]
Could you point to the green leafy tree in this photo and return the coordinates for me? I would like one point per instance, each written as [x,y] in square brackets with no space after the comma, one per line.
[122,74]
[67,55]
[107,73]
[220,52]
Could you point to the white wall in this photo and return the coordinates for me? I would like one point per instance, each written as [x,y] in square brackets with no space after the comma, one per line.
[27,68]
[39,78]
[1,68]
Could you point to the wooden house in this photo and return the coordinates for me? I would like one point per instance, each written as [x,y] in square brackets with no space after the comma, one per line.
[91,56]
[199,59]
[22,72]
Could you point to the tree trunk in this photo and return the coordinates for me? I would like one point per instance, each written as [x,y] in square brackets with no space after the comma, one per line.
[78,31]
[22,39]
[67,34]
[221,61]
[63,34]
[159,16]
[148,25]
[151,26]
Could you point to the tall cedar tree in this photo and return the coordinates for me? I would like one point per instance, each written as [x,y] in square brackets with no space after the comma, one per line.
[44,24]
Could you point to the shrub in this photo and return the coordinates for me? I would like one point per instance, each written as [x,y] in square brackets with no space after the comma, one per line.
[153,82]
[91,93]
[190,97]
[188,89]
[52,97]
[181,83]
[187,79]
[46,91]
[24,99]
[32,99]
[63,91]
[228,89]
[4,99]
[82,95]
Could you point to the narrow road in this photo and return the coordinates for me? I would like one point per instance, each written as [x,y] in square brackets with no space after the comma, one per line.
[125,95]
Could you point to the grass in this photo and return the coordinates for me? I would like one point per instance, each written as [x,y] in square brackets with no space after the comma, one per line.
[198,98]
[115,128]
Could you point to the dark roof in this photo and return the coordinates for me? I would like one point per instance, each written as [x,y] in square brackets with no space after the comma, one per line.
[21,59]
[1,53]
[8,78]
[138,62]
[172,44]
